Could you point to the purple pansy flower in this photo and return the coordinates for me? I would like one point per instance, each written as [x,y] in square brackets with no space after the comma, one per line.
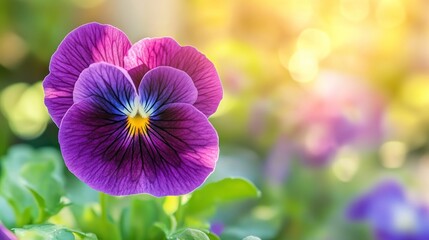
[390,213]
[133,118]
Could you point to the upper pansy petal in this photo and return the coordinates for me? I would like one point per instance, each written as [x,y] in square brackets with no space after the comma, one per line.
[205,77]
[108,82]
[152,52]
[174,156]
[83,46]
[164,85]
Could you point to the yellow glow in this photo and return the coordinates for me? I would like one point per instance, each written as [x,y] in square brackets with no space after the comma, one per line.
[137,124]
[410,122]
[23,107]
[393,154]
[228,103]
[303,66]
[31,104]
[415,92]
[354,10]
[10,97]
[264,212]
[297,12]
[171,204]
[12,48]
[315,41]
[345,165]
[390,13]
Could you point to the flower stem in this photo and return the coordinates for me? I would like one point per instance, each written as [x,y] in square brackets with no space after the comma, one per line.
[103,205]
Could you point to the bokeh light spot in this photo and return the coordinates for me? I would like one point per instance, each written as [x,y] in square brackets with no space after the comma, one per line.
[12,49]
[393,154]
[390,13]
[315,41]
[345,165]
[303,66]
[24,109]
[354,10]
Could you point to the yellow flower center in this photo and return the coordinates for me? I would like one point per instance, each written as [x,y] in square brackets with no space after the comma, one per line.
[137,124]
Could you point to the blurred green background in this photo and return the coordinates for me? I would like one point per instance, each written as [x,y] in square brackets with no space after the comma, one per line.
[321,98]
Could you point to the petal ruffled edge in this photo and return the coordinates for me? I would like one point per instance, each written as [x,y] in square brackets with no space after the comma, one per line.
[149,53]
[89,43]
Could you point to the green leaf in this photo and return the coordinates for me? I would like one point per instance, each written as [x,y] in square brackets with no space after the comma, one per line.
[204,199]
[146,219]
[7,216]
[51,232]
[212,236]
[131,217]
[32,183]
[189,234]
[88,219]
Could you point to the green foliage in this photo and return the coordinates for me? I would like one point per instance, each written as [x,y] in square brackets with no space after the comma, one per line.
[204,200]
[189,234]
[51,232]
[32,183]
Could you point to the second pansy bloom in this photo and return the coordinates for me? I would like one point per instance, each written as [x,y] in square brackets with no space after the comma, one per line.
[133,118]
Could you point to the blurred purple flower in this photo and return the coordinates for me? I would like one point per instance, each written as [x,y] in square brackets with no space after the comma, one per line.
[5,234]
[133,119]
[337,111]
[217,227]
[390,213]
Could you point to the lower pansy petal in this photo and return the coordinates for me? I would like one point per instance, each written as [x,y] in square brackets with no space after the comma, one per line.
[172,156]
[187,146]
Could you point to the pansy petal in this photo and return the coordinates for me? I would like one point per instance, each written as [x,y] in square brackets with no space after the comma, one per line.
[91,138]
[174,156]
[150,53]
[83,46]
[108,82]
[164,85]
[187,149]
[205,77]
